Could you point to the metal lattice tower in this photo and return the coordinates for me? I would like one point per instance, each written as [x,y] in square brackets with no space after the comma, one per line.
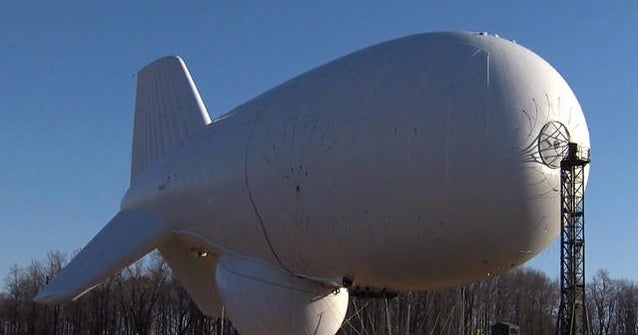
[572,312]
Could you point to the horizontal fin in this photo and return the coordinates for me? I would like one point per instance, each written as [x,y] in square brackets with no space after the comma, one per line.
[126,238]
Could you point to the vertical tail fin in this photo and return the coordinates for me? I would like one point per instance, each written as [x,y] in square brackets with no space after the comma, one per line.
[168,109]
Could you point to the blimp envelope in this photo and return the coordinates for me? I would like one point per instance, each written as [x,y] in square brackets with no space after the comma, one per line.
[422,162]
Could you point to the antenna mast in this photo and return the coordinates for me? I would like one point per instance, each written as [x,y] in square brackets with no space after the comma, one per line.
[572,312]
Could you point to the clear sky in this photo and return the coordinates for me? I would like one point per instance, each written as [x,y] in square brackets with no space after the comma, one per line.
[67,91]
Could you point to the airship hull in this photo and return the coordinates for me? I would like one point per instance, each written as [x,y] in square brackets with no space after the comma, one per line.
[408,165]
[423,162]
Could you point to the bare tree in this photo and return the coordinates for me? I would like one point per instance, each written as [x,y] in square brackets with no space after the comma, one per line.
[145,299]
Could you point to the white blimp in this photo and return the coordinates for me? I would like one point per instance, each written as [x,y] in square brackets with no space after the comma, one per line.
[423,162]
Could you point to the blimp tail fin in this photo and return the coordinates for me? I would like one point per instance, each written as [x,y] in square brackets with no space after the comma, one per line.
[125,239]
[168,110]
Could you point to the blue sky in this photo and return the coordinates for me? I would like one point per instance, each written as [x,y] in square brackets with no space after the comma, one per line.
[67,91]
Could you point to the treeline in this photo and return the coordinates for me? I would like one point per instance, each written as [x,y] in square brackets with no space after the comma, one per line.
[145,299]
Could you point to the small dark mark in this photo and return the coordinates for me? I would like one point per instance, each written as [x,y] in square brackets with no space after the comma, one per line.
[298,189]
[416,130]
[347,282]
[395,131]
[485,262]
[306,173]
[441,223]
[419,217]
[292,170]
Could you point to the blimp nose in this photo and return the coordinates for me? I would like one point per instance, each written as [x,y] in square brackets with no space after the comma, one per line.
[530,117]
[553,141]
